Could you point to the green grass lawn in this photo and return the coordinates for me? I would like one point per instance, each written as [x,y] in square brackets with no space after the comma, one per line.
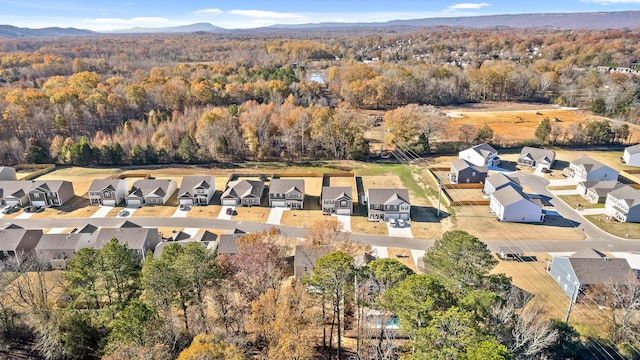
[574,200]
[624,230]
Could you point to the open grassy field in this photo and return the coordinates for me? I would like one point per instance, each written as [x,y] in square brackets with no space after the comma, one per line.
[254,213]
[301,217]
[574,200]
[209,211]
[343,181]
[360,224]
[79,176]
[623,230]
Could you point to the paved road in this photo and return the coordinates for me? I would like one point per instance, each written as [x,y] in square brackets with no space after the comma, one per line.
[594,237]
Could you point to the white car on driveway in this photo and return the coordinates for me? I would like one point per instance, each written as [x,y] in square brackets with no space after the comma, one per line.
[401,223]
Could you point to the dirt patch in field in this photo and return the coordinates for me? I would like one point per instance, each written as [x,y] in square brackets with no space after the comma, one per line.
[342,182]
[80,177]
[254,213]
[404,256]
[301,217]
[382,182]
[209,211]
[360,224]
[155,211]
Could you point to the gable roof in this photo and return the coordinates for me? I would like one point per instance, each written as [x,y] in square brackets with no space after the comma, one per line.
[7,173]
[129,224]
[179,236]
[88,229]
[306,256]
[602,188]
[102,184]
[243,188]
[627,194]
[387,196]
[205,236]
[511,194]
[537,154]
[11,238]
[147,187]
[587,163]
[462,164]
[633,149]
[336,192]
[283,186]
[48,185]
[601,270]
[14,188]
[228,244]
[485,150]
[195,181]
[499,179]
[61,241]
[133,237]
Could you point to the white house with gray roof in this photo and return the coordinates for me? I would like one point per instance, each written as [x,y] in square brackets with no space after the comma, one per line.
[480,155]
[151,192]
[623,204]
[631,155]
[512,205]
[243,192]
[587,169]
[47,193]
[7,173]
[384,204]
[337,200]
[196,190]
[497,181]
[536,157]
[596,191]
[107,192]
[15,192]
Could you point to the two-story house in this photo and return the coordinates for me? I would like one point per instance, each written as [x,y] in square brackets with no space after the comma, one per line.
[512,205]
[596,191]
[384,204]
[196,190]
[631,155]
[463,171]
[287,193]
[337,200]
[58,249]
[15,192]
[587,169]
[151,192]
[139,240]
[47,193]
[243,192]
[497,181]
[480,155]
[541,159]
[107,192]
[16,243]
[623,204]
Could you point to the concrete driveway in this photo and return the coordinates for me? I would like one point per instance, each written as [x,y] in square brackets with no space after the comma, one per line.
[380,251]
[275,215]
[181,213]
[400,231]
[345,220]
[101,212]
[24,215]
[222,215]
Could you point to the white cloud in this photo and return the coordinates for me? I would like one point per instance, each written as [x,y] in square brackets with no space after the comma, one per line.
[467,6]
[132,21]
[266,14]
[208,12]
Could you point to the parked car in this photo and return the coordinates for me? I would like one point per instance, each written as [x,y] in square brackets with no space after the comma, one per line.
[10,209]
[184,207]
[37,209]
[229,211]
[392,222]
[123,212]
[401,223]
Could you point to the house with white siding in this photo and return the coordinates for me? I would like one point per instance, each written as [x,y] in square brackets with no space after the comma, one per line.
[480,155]
[623,204]
[497,181]
[512,205]
[587,169]
[596,191]
[631,155]
[107,192]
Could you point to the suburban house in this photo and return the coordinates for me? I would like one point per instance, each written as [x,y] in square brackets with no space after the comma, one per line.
[631,155]
[462,171]
[497,181]
[586,268]
[304,259]
[337,200]
[204,238]
[541,159]
[15,192]
[15,243]
[151,192]
[196,190]
[511,204]
[480,155]
[287,193]
[243,192]
[623,204]
[57,249]
[7,173]
[107,192]
[596,191]
[229,242]
[138,239]
[587,169]
[384,204]
[47,193]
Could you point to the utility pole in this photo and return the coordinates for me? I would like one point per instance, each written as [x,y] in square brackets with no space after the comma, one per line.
[571,300]
[439,194]
[382,139]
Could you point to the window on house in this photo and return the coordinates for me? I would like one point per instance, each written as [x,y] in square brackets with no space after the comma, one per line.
[343,203]
[36,195]
[107,195]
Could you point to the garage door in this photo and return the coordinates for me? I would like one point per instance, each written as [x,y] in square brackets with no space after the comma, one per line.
[229,202]
[134,202]
[109,202]
[343,212]
[185,201]
[278,203]
[13,202]
[39,203]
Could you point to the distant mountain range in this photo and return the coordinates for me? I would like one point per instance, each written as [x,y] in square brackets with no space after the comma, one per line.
[588,20]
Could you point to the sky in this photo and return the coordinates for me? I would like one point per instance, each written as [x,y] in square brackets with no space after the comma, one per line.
[103,15]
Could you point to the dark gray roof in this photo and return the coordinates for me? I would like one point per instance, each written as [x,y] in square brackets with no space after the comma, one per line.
[602,188]
[510,194]
[48,185]
[10,239]
[179,236]
[499,179]
[101,184]
[537,154]
[283,186]
[228,244]
[14,188]
[243,188]
[61,241]
[335,192]
[627,194]
[591,271]
[462,164]
[129,224]
[133,237]
[484,149]
[205,236]
[88,229]
[196,181]
[147,187]
[588,163]
[387,196]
